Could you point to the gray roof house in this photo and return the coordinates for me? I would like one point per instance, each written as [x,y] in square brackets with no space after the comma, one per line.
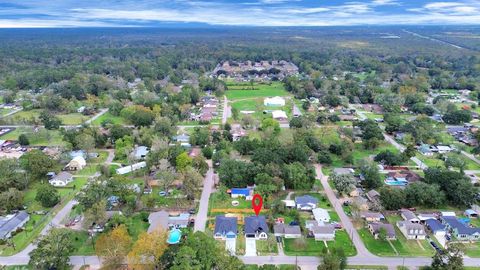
[342,171]
[372,216]
[306,202]
[158,221]
[60,180]
[375,228]
[140,152]
[287,231]
[408,215]
[373,195]
[225,227]
[323,232]
[256,227]
[412,230]
[11,223]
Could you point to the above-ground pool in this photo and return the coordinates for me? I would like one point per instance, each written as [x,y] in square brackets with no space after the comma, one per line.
[174,237]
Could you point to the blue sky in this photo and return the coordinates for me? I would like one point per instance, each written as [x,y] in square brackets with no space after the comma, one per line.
[116,13]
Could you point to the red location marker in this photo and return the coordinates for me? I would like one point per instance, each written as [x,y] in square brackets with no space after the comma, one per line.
[257,206]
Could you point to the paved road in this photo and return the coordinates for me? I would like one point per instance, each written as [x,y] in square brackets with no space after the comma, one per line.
[346,222]
[226,110]
[470,156]
[201,219]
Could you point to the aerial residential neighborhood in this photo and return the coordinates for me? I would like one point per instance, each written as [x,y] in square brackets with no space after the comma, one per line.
[260,135]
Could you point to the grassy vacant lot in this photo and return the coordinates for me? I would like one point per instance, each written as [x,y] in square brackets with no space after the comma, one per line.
[242,91]
[41,138]
[83,244]
[314,248]
[224,201]
[24,117]
[108,116]
[267,247]
[73,118]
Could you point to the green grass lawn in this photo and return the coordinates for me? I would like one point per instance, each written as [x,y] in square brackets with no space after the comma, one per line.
[361,153]
[43,137]
[314,248]
[242,91]
[224,201]
[23,117]
[73,118]
[279,267]
[376,246]
[267,247]
[82,243]
[473,249]
[108,116]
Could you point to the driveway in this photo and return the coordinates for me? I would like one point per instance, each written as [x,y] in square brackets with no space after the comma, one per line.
[250,247]
[231,245]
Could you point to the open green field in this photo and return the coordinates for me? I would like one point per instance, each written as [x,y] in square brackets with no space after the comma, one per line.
[244,91]
[43,137]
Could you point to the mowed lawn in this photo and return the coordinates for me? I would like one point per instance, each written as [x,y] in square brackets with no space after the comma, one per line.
[244,91]
[29,116]
[108,116]
[314,248]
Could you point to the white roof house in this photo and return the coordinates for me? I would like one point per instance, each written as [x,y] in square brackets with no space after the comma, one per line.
[289,203]
[274,101]
[131,168]
[77,163]
[279,115]
[61,180]
[321,215]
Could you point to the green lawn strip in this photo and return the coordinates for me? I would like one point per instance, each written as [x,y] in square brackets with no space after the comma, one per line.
[240,242]
[279,267]
[82,243]
[17,267]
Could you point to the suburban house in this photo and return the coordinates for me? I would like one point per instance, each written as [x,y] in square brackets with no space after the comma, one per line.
[183,140]
[361,203]
[256,227]
[423,217]
[306,202]
[412,231]
[409,216]
[321,215]
[287,231]
[372,216]
[471,213]
[289,203]
[158,221]
[76,164]
[131,168]
[404,177]
[376,227]
[61,180]
[425,150]
[460,230]
[140,152]
[225,227]
[343,171]
[279,115]
[246,193]
[11,223]
[237,132]
[161,220]
[323,232]
[373,196]
[274,101]
[436,227]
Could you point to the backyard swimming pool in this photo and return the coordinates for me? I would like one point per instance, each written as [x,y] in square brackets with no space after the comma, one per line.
[174,237]
[395,183]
